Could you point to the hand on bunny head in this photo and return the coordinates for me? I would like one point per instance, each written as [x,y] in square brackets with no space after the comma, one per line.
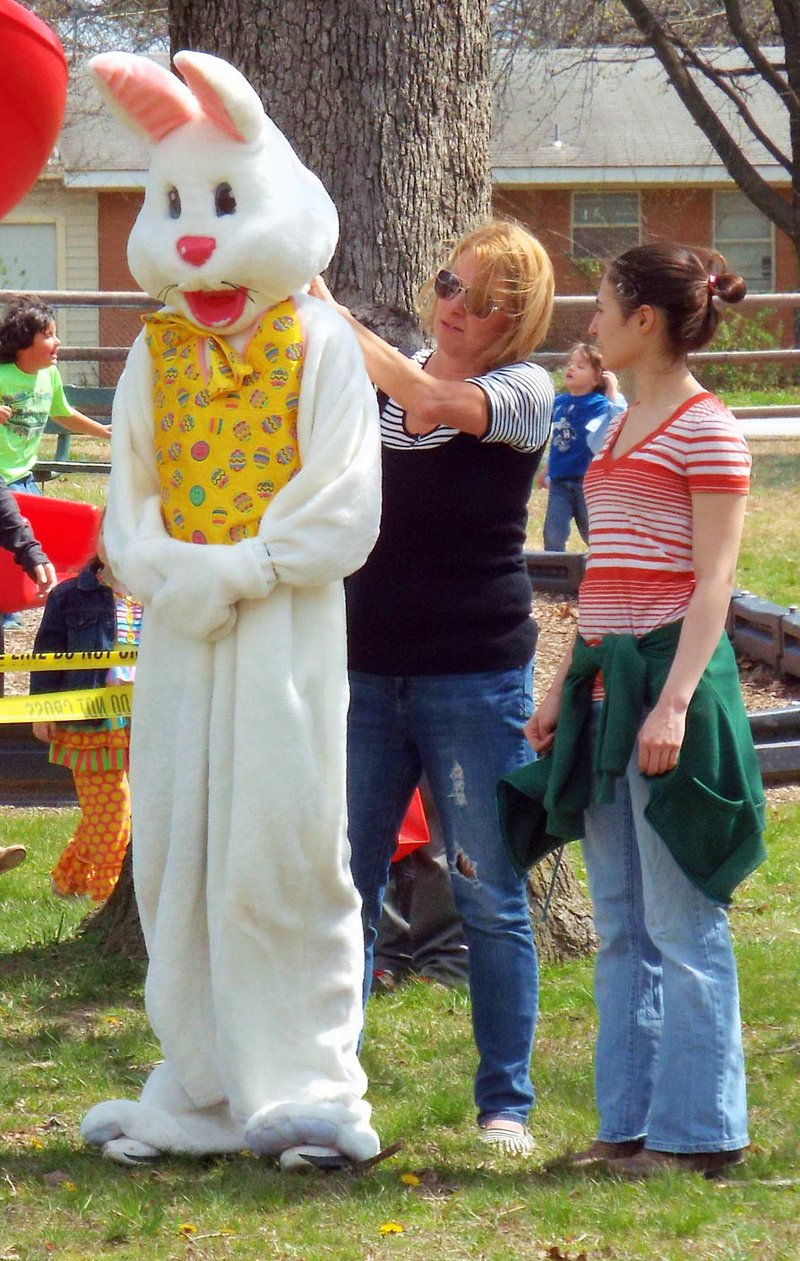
[232,221]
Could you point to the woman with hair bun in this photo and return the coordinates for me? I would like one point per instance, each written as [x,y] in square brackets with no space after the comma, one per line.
[671,804]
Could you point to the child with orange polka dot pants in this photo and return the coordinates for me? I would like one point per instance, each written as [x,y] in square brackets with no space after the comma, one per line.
[86,614]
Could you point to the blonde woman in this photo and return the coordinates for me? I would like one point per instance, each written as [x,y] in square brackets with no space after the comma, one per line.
[440,636]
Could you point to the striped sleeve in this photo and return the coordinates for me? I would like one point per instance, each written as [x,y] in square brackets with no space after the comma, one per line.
[520,401]
[717,457]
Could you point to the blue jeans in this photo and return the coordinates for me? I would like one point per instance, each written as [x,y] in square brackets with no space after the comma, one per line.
[565,501]
[465,732]
[669,1063]
[27,484]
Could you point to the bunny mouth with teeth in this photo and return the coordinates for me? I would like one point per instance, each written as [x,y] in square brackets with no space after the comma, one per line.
[216,307]
[212,308]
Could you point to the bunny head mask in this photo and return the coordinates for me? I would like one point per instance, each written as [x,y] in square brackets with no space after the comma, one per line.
[232,222]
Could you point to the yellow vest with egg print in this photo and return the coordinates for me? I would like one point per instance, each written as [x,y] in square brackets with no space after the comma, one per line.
[225,422]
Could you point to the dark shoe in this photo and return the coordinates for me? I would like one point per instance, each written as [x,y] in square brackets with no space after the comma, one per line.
[648,1163]
[12,856]
[383,982]
[600,1153]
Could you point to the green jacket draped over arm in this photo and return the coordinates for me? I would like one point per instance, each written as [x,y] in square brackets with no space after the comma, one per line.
[709,810]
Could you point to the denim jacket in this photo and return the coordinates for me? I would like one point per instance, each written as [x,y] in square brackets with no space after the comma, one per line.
[78,617]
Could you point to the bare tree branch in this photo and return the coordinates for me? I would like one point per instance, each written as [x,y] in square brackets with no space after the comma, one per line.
[759,59]
[769,200]
[734,94]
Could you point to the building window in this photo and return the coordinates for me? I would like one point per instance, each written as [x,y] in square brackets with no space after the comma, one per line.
[28,256]
[744,236]
[604,224]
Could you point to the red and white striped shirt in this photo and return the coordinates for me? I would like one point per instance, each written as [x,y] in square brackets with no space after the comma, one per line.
[639,572]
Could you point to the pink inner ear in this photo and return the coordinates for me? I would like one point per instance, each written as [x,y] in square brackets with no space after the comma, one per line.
[209,103]
[151,97]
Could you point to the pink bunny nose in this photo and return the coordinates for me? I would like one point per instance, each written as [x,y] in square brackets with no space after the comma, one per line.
[196,249]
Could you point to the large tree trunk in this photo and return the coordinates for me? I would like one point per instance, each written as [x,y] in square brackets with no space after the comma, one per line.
[560,911]
[390,105]
[117,921]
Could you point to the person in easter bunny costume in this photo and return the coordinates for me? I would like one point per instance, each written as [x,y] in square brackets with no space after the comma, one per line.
[244,487]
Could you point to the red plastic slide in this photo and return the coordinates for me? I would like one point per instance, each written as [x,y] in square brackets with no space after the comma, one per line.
[68,533]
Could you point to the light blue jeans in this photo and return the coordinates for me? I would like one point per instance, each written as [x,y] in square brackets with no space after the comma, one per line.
[565,502]
[669,1064]
[27,484]
[464,731]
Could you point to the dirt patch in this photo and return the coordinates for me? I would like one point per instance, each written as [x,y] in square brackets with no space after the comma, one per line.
[15,683]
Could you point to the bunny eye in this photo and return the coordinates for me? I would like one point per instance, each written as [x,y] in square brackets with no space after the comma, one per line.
[174,203]
[224,200]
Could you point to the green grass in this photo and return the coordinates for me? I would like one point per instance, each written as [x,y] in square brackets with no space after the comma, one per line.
[769,559]
[73,1032]
[761,398]
[83,487]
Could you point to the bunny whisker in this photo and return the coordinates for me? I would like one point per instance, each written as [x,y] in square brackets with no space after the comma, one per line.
[229,284]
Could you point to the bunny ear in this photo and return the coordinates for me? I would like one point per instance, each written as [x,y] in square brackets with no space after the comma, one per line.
[149,99]
[224,95]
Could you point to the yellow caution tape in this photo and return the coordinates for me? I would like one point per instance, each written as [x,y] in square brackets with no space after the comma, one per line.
[10,661]
[101,702]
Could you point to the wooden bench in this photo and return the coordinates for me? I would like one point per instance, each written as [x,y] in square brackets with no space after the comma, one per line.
[93,400]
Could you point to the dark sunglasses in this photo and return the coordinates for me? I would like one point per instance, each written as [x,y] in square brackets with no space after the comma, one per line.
[448,285]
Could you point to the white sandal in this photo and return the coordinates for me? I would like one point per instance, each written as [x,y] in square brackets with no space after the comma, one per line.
[512,1142]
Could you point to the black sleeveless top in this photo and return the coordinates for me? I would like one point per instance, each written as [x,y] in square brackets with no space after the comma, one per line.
[446,589]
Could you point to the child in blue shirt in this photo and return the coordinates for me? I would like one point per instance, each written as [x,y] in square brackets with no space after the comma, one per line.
[580,419]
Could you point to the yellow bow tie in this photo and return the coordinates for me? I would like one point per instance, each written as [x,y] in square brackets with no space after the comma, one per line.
[227,370]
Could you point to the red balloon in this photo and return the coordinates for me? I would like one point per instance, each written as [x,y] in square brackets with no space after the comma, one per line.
[33,93]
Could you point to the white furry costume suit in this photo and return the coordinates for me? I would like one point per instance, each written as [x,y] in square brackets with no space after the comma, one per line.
[250,916]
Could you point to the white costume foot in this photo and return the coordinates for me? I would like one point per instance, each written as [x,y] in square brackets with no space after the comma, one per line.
[129,1151]
[332,1126]
[166,1122]
[309,1157]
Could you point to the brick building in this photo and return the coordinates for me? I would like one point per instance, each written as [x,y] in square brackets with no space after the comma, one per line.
[598,155]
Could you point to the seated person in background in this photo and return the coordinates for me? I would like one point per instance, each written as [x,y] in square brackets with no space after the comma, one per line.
[580,418]
[420,933]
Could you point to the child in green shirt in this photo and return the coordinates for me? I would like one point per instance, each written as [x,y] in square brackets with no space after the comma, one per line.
[31,391]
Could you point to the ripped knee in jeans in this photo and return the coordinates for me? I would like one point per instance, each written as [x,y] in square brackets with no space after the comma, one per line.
[465,866]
